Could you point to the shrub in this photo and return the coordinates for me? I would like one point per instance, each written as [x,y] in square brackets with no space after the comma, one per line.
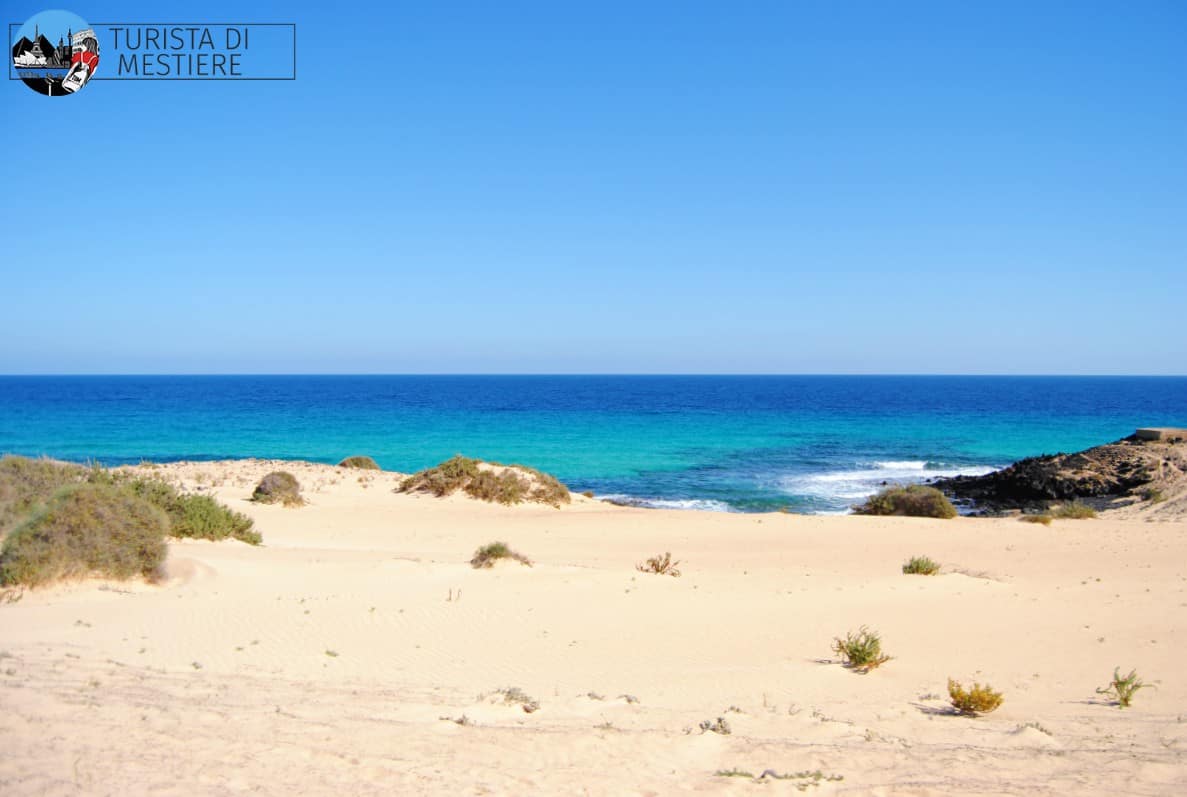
[660,565]
[862,651]
[505,488]
[278,487]
[588,493]
[27,483]
[1074,510]
[361,462]
[443,479]
[487,555]
[921,566]
[1154,495]
[1122,689]
[978,700]
[915,500]
[87,529]
[512,485]
[718,726]
[513,695]
[1044,519]
[195,516]
[548,489]
[203,518]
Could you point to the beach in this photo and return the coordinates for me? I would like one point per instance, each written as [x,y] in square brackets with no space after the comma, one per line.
[357,651]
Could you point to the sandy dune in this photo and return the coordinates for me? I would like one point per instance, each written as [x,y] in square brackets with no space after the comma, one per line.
[357,652]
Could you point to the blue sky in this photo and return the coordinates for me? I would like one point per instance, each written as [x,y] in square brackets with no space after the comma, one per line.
[760,187]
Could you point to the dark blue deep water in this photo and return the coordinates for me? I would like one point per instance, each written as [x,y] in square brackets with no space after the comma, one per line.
[810,443]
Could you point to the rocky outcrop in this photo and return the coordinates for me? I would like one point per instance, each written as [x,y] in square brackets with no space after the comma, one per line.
[1113,471]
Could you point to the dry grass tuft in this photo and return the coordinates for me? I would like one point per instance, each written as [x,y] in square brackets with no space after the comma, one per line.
[660,565]
[487,555]
[971,702]
[1074,510]
[488,481]
[921,566]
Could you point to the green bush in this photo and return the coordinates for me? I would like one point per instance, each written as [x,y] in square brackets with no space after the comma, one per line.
[1044,519]
[861,650]
[487,555]
[506,487]
[921,566]
[512,485]
[978,700]
[27,483]
[203,518]
[278,487]
[915,500]
[363,463]
[1074,510]
[195,516]
[441,480]
[88,529]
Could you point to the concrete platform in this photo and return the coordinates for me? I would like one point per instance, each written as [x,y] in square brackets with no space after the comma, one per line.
[1163,433]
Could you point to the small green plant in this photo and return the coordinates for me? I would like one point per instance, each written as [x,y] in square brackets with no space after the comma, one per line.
[861,650]
[660,565]
[87,529]
[278,487]
[1074,510]
[915,500]
[1154,495]
[718,726]
[1044,519]
[588,493]
[971,702]
[360,462]
[1122,689]
[921,566]
[487,555]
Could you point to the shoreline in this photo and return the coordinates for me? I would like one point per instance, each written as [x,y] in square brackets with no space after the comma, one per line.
[350,651]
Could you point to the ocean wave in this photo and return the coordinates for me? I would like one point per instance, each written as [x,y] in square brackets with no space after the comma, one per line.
[845,486]
[695,504]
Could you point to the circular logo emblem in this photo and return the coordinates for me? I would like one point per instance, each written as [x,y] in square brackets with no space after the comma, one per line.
[55,53]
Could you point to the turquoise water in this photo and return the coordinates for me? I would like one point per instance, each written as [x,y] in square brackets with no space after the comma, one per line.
[810,443]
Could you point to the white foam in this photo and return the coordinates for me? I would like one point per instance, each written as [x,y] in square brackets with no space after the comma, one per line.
[694,504]
[906,464]
[846,486]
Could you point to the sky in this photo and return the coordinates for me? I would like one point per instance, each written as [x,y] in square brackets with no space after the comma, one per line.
[615,187]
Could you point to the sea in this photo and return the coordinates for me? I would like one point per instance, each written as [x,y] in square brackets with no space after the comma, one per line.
[812,444]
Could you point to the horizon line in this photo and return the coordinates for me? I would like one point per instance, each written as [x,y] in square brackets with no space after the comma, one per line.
[582,374]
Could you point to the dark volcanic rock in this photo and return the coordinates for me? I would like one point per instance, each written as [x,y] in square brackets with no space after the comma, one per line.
[1108,471]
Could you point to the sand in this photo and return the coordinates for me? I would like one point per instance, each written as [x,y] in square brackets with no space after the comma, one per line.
[357,652]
